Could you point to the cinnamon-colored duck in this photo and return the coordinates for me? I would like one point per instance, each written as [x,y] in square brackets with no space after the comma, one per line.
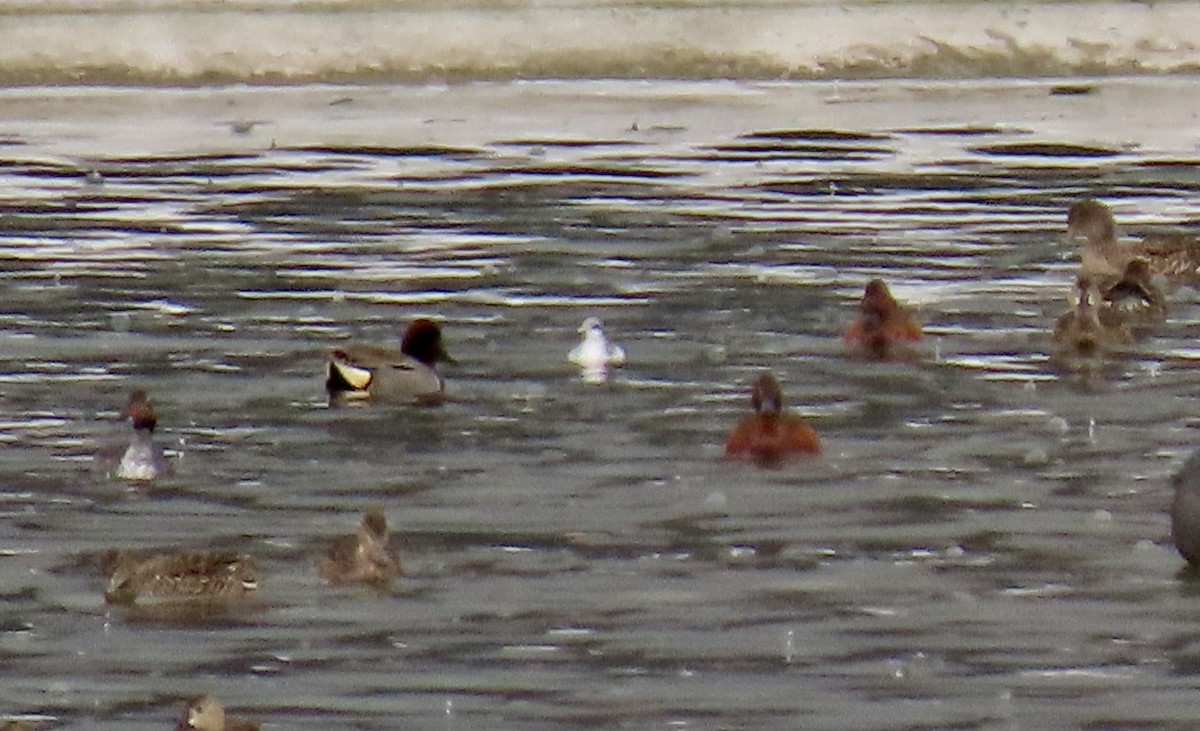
[769,436]
[884,328]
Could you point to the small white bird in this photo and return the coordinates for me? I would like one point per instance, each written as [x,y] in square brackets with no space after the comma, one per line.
[595,354]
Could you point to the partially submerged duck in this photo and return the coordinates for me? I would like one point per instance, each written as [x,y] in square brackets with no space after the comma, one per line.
[205,713]
[387,374]
[770,435]
[362,557]
[883,329]
[179,576]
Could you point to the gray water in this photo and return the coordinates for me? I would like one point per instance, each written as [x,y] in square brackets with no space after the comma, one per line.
[982,545]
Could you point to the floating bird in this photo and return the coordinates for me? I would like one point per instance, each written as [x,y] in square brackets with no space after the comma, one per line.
[1081,331]
[1134,299]
[1090,225]
[174,576]
[387,374]
[594,354]
[884,329]
[769,436]
[362,557]
[205,713]
[142,459]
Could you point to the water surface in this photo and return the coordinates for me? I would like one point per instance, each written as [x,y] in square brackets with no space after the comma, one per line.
[982,545]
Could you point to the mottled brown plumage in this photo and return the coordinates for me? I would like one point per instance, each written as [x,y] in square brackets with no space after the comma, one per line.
[180,576]
[362,557]
[1082,331]
[1090,224]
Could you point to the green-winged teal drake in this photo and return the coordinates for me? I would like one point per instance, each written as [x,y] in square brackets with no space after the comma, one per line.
[386,374]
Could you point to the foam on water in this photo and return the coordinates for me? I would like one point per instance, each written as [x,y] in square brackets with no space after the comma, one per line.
[171,42]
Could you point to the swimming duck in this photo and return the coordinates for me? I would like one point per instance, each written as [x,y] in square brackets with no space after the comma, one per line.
[1134,298]
[205,713]
[1185,510]
[769,435]
[1082,330]
[884,329]
[1091,225]
[362,557]
[205,575]
[406,375]
[141,460]
[594,354]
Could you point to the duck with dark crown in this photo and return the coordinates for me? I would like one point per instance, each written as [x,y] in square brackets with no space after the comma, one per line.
[141,460]
[407,375]
[1133,299]
[770,436]
[362,557]
[884,329]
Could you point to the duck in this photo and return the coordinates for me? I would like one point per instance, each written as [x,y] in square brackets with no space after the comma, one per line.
[1082,330]
[1091,225]
[179,576]
[1134,299]
[205,713]
[362,557]
[141,460]
[884,328]
[386,374]
[1185,510]
[595,354]
[769,436]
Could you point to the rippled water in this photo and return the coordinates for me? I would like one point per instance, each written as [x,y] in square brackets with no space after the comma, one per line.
[983,544]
